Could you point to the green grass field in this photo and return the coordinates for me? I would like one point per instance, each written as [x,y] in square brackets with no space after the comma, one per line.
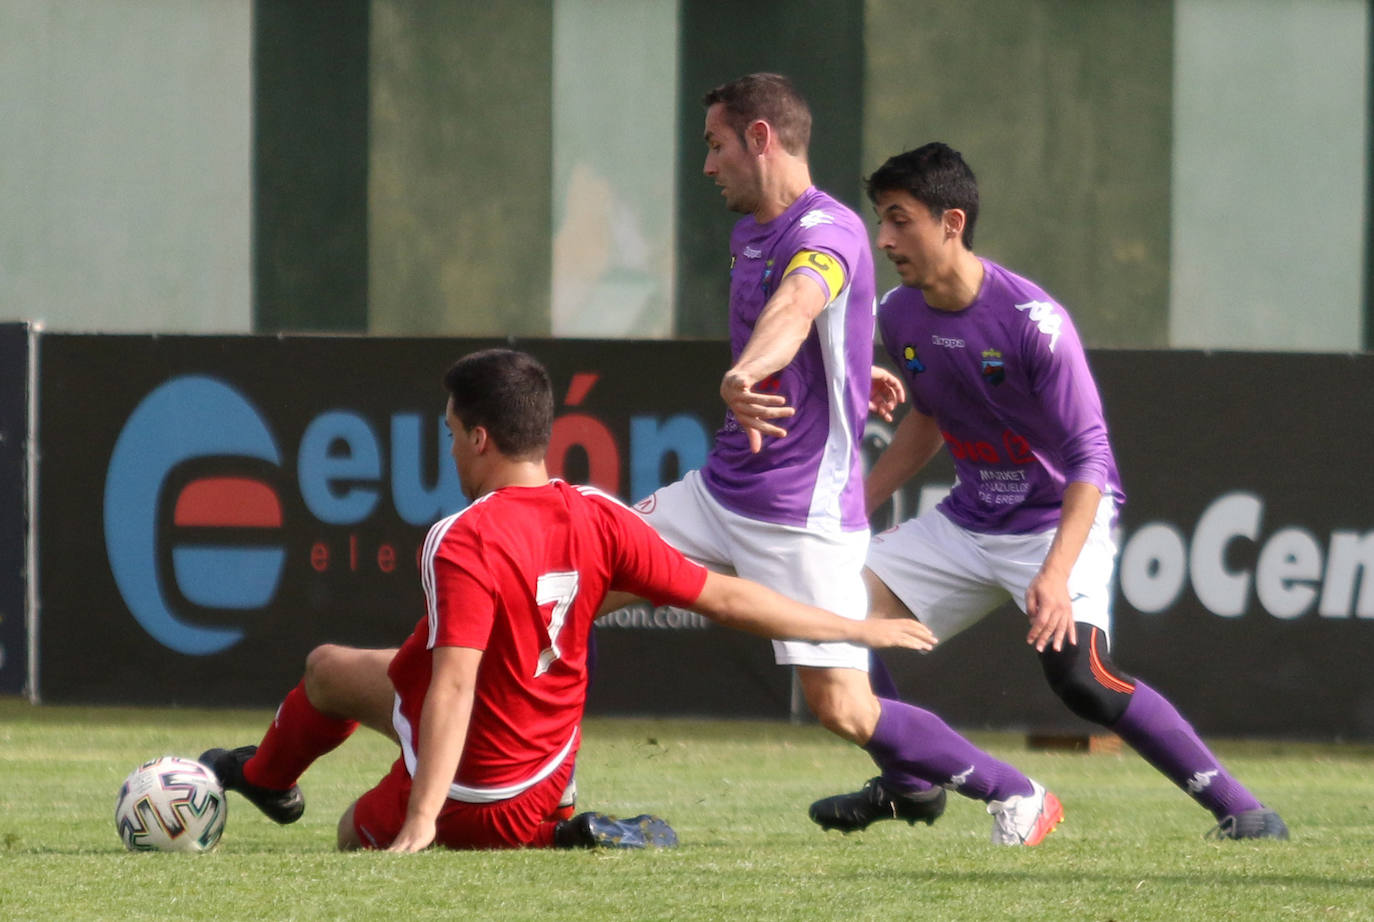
[1132,847]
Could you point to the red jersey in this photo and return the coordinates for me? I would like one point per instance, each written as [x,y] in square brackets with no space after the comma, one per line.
[520,574]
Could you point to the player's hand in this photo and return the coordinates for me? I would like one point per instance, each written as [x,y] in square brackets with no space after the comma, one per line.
[752,410]
[415,835]
[885,392]
[1050,610]
[906,633]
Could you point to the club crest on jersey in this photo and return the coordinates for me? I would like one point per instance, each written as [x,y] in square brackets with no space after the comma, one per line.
[994,369]
[911,360]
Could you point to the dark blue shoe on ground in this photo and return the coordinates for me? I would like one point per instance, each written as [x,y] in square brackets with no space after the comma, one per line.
[598,830]
[1262,823]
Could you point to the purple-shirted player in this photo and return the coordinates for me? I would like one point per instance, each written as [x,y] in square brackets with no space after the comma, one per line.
[780,498]
[785,506]
[997,374]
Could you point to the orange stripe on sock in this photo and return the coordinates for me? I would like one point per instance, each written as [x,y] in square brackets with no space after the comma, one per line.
[1100,672]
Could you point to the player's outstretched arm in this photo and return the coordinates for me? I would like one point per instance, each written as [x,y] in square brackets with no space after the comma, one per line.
[748,606]
[615,600]
[779,332]
[915,442]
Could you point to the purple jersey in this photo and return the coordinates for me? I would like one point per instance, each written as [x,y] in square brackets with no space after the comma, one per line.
[812,478]
[1009,386]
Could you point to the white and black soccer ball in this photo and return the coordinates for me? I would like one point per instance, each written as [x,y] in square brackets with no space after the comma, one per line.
[171,804]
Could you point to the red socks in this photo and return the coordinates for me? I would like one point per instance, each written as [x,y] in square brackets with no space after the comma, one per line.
[299,735]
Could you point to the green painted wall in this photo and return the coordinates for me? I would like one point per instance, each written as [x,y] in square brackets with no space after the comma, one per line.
[310,152]
[404,154]
[818,44]
[461,160]
[1062,108]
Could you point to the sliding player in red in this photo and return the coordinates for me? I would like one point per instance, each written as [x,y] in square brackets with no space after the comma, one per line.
[485,698]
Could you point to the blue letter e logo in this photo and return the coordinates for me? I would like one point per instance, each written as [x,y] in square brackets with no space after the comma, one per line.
[187,418]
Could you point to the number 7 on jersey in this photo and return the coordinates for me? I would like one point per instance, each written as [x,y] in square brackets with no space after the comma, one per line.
[558,590]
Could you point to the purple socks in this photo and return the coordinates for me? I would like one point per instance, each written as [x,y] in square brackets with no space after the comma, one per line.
[916,750]
[1156,730]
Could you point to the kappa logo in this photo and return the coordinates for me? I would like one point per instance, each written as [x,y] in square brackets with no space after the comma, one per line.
[815,217]
[1201,781]
[957,781]
[211,470]
[1046,319]
[752,253]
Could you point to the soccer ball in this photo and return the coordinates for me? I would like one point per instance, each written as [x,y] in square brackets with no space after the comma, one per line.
[171,804]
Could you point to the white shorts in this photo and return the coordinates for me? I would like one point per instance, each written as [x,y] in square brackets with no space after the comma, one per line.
[825,570]
[951,577]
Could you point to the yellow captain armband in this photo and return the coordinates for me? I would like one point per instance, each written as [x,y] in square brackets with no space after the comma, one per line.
[830,269]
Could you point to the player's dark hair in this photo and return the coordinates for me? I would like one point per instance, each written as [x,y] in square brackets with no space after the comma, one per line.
[934,175]
[770,97]
[508,393]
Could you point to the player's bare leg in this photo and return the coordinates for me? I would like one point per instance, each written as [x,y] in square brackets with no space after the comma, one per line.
[842,701]
[882,601]
[616,600]
[348,683]
[909,797]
